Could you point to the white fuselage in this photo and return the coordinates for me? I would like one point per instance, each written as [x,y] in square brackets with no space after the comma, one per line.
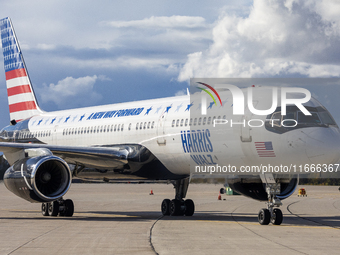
[169,128]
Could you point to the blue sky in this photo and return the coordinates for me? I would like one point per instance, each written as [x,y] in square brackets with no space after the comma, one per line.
[85,53]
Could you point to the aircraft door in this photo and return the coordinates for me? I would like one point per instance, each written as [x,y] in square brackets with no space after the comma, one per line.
[161,129]
[246,136]
[55,135]
[245,130]
[15,135]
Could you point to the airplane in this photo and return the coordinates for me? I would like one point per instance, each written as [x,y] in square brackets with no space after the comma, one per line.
[160,139]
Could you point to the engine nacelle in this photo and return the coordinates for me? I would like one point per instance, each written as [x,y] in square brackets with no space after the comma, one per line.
[252,186]
[39,179]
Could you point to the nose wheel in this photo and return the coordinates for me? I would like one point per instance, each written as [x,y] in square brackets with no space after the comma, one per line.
[265,217]
[277,217]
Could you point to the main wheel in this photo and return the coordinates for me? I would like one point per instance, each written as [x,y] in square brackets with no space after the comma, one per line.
[189,207]
[165,207]
[277,217]
[264,217]
[175,207]
[44,209]
[69,208]
[53,208]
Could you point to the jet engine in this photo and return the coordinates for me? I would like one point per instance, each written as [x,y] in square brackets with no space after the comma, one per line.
[253,187]
[39,179]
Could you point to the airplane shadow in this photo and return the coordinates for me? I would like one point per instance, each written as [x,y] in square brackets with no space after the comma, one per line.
[199,216]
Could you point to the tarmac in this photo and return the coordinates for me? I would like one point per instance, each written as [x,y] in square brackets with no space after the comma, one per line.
[125,219]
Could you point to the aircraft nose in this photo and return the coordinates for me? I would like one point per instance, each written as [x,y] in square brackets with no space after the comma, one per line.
[323,145]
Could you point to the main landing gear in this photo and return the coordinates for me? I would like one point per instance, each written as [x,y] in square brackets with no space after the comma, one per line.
[270,214]
[60,206]
[179,206]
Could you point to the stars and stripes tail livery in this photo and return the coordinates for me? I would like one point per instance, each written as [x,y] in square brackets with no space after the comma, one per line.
[21,99]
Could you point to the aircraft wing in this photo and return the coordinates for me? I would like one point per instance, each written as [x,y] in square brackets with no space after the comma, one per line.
[115,156]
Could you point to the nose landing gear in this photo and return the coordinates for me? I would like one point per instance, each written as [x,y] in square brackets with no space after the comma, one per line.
[271,215]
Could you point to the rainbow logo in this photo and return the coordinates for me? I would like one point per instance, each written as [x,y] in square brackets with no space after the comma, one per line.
[209,93]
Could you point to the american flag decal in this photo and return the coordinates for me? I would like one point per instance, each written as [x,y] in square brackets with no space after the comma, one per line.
[265,149]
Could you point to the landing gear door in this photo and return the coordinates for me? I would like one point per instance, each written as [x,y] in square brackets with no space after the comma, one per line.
[160,129]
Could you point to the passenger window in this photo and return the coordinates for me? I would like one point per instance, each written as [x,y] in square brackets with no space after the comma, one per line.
[199,121]
[118,128]
[149,124]
[195,121]
[122,128]
[177,123]
[209,120]
[130,126]
[204,120]
[153,124]
[182,120]
[144,125]
[137,126]
[186,122]
[173,123]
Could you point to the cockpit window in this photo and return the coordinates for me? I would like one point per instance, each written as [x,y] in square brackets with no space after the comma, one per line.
[325,116]
[308,119]
[276,118]
[289,117]
[295,119]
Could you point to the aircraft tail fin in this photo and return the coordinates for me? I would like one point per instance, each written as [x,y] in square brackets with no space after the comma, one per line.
[21,98]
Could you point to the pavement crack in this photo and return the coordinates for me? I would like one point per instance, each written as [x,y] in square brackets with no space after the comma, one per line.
[150,237]
[304,218]
[35,238]
[261,235]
